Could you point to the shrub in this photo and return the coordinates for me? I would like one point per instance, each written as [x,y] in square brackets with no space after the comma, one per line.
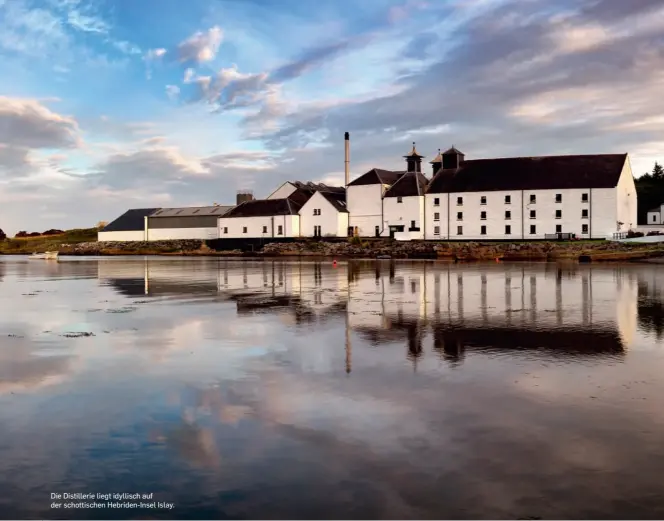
[3,235]
[22,233]
[53,232]
[631,234]
[34,234]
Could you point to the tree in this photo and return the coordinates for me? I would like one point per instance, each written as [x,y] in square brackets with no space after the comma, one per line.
[657,171]
[3,235]
[22,233]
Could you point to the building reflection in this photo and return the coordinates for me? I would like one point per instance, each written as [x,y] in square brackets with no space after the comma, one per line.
[568,312]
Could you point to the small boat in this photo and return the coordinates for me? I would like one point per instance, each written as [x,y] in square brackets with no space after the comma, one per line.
[47,255]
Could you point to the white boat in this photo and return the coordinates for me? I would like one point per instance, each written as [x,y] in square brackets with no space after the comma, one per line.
[48,255]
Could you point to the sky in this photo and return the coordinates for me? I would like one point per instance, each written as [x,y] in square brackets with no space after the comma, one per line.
[107,105]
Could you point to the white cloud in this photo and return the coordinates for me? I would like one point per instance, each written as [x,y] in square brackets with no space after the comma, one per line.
[172,91]
[201,46]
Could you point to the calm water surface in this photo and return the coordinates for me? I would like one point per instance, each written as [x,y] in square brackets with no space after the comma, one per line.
[245,389]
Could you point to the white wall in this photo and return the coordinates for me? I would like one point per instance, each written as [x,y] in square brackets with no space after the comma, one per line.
[365,205]
[397,213]
[255,226]
[121,236]
[168,234]
[282,192]
[331,221]
[601,221]
[627,203]
[654,218]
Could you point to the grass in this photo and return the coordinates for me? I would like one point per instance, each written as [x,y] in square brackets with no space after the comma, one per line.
[26,245]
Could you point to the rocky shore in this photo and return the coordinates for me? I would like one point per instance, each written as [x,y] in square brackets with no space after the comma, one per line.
[455,251]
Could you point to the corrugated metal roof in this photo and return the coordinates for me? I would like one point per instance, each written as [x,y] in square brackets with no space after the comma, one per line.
[192,211]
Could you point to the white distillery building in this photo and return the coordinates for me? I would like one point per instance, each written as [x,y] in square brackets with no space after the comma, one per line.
[591,196]
[364,200]
[130,226]
[185,223]
[324,215]
[278,216]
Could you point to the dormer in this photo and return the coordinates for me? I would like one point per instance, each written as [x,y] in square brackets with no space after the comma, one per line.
[437,162]
[414,161]
[452,159]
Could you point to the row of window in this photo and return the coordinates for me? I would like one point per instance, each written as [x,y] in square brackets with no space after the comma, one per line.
[508,215]
[280,229]
[508,199]
[508,229]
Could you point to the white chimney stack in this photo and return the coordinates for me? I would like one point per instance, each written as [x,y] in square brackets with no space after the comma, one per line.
[347,161]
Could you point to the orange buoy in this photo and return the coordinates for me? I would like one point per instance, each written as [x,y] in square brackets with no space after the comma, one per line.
[334,262]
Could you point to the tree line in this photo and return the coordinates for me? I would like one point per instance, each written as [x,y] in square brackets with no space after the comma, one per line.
[650,191]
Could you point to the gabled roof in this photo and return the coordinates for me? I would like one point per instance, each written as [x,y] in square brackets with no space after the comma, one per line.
[318,187]
[267,207]
[195,211]
[656,209]
[531,173]
[377,176]
[411,183]
[131,220]
[338,200]
[452,150]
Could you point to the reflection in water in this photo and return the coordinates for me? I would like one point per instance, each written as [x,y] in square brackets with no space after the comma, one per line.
[373,389]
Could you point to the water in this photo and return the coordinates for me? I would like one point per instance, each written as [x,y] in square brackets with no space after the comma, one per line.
[246,389]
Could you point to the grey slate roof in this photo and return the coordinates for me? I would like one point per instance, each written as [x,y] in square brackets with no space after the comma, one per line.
[131,220]
[377,176]
[338,200]
[409,184]
[531,173]
[195,211]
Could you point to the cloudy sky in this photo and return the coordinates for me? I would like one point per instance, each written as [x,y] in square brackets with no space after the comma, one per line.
[111,104]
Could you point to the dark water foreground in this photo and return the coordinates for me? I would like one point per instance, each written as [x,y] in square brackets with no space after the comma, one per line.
[240,389]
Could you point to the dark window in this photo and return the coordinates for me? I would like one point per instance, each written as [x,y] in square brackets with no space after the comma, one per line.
[559,198]
[584,228]
[559,228]
[533,214]
[280,230]
[559,214]
[412,224]
[244,229]
[436,201]
[459,216]
[533,229]
[483,216]
[483,199]
[508,229]
[508,199]
[459,201]
[654,217]
[483,230]
[377,231]
[584,213]
[508,215]
[264,229]
[399,200]
[584,198]
[436,216]
[436,230]
[533,198]
[459,230]
[225,230]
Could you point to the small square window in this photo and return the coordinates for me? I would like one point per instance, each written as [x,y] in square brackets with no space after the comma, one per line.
[459,216]
[436,216]
[436,201]
[508,215]
[459,201]
[559,198]
[584,213]
[533,214]
[483,230]
[399,199]
[559,228]
[459,230]
[244,229]
[508,229]
[584,228]
[483,199]
[436,230]
[483,216]
[264,229]
[584,198]
[533,229]
[533,198]
[508,199]
[559,214]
